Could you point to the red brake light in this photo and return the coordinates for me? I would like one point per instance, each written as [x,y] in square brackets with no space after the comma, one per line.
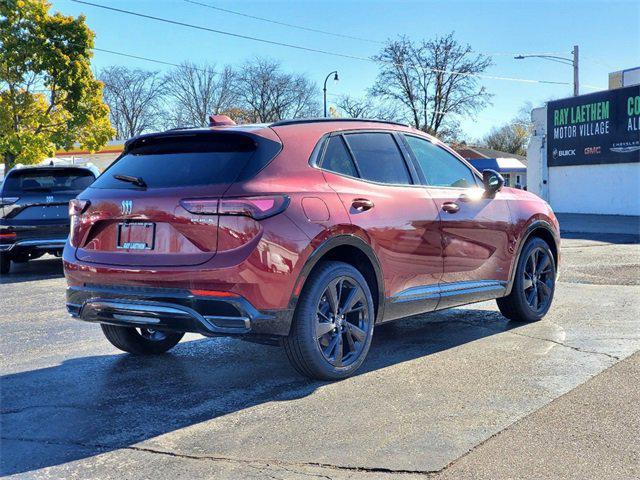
[77,206]
[254,207]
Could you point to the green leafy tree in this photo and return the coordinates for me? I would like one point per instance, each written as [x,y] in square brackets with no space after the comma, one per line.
[49,98]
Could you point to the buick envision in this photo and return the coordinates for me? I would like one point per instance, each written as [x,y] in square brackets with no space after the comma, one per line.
[33,210]
[304,233]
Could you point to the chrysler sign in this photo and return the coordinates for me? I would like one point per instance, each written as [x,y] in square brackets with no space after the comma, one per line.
[599,128]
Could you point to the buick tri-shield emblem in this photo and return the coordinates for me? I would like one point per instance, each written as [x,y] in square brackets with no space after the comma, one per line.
[126,207]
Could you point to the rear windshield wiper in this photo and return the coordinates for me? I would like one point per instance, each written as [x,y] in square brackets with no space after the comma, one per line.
[138,181]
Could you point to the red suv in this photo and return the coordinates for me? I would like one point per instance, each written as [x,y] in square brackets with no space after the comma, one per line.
[304,233]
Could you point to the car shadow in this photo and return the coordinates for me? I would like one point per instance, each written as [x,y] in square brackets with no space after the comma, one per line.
[91,405]
[40,269]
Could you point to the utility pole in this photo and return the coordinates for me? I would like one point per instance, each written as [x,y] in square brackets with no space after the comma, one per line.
[576,79]
[565,60]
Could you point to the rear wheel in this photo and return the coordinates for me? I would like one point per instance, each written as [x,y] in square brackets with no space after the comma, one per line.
[5,264]
[533,286]
[141,341]
[333,324]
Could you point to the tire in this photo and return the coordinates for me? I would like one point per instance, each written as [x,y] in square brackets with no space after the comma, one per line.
[141,341]
[331,335]
[534,284]
[5,264]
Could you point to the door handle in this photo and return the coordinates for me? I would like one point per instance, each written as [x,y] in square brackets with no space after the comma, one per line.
[362,204]
[450,207]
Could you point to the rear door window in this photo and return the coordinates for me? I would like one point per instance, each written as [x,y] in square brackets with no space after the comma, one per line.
[47,180]
[179,162]
[378,158]
[338,159]
[439,167]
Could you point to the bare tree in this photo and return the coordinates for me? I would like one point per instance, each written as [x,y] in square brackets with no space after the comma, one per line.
[366,107]
[270,94]
[196,91]
[135,99]
[514,136]
[431,81]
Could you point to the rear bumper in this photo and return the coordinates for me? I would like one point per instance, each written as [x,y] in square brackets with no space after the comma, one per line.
[46,244]
[21,238]
[173,310]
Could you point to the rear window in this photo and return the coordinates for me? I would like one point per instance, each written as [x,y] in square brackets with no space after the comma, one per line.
[47,181]
[337,158]
[379,158]
[182,161]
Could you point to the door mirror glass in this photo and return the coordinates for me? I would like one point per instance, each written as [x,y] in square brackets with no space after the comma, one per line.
[492,181]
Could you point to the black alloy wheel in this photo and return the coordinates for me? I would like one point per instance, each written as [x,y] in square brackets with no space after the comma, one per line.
[342,321]
[538,281]
[533,284]
[333,323]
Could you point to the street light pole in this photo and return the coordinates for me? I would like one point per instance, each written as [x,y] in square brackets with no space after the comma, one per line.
[567,61]
[324,90]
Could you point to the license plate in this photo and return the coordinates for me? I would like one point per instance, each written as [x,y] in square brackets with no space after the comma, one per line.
[136,236]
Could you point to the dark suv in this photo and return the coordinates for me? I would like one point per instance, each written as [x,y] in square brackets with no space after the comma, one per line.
[302,233]
[34,204]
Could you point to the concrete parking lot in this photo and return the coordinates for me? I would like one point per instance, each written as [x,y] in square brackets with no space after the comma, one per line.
[457,394]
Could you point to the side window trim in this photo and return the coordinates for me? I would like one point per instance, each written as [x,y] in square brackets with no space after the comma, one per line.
[353,157]
[463,162]
[405,152]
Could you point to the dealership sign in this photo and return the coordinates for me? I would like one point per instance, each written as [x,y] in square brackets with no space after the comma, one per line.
[598,128]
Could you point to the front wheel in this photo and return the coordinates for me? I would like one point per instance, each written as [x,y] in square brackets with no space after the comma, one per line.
[333,324]
[533,286]
[141,341]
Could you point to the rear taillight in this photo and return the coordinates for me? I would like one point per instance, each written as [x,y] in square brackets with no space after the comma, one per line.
[201,206]
[255,207]
[6,201]
[78,207]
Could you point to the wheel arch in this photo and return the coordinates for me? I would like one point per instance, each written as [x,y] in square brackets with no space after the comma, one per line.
[540,229]
[354,251]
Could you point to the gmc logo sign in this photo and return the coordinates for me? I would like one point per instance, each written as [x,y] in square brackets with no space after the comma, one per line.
[592,150]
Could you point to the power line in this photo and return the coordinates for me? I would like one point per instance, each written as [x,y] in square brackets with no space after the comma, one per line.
[314,50]
[221,32]
[276,22]
[325,32]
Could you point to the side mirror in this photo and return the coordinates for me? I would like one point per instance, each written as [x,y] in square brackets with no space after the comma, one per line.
[492,181]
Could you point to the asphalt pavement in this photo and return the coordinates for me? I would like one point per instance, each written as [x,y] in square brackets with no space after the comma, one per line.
[456,394]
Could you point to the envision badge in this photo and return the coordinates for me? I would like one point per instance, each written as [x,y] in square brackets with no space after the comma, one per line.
[126,207]
[49,198]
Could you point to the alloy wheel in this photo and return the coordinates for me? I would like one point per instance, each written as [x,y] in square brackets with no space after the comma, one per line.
[343,322]
[539,279]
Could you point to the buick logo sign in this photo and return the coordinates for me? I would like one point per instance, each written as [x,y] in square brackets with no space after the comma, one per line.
[126,207]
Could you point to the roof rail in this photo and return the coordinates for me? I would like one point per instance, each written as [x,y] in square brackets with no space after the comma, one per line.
[320,120]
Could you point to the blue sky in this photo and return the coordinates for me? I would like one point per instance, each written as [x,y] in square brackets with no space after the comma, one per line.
[608,33]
